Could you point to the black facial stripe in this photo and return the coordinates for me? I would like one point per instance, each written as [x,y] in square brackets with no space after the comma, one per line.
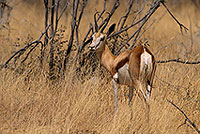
[97,44]
[102,39]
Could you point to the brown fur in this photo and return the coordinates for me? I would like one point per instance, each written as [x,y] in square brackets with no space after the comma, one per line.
[131,57]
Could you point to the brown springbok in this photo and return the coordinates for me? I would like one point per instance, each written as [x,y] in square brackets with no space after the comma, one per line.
[133,68]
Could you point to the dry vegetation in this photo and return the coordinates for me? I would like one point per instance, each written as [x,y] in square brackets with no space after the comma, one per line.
[31,103]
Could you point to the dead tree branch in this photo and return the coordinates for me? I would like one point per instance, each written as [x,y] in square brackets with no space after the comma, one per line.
[149,14]
[124,18]
[181,25]
[90,28]
[73,25]
[62,11]
[39,42]
[46,34]
[126,15]
[57,8]
[103,24]
[55,5]
[143,21]
[5,11]
[22,50]
[4,4]
[178,61]
[186,117]
[79,19]
[46,21]
[52,33]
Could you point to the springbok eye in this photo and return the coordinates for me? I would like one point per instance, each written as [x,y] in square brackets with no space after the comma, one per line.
[102,39]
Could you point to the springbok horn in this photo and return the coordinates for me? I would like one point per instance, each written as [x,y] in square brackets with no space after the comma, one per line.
[106,22]
[95,23]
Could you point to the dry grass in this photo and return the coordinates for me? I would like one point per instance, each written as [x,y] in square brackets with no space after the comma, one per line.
[31,104]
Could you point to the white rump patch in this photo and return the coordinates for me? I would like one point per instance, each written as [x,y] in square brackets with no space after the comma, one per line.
[146,64]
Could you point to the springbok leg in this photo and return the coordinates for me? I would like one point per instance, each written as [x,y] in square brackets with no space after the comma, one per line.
[115,88]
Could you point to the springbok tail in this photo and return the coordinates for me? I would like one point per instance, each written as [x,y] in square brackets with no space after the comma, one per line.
[146,70]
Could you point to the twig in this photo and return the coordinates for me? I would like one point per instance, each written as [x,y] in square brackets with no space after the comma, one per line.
[125,17]
[91,28]
[150,12]
[3,4]
[138,12]
[181,25]
[52,33]
[79,19]
[146,29]
[127,14]
[116,5]
[22,50]
[104,23]
[56,20]
[42,51]
[127,28]
[39,42]
[186,118]
[178,61]
[148,15]
[63,10]
[46,21]
[73,26]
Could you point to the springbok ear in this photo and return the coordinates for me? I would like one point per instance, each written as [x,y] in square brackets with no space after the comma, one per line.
[111,29]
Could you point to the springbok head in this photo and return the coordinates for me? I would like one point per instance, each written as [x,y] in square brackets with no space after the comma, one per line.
[99,38]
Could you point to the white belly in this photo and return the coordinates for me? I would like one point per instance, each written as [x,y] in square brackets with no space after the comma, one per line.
[124,76]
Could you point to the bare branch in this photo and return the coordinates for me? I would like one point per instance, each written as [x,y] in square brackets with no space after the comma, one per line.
[79,19]
[4,4]
[127,14]
[63,10]
[39,42]
[181,25]
[46,21]
[146,29]
[22,50]
[51,51]
[148,15]
[52,17]
[73,25]
[116,5]
[127,28]
[178,61]
[138,12]
[143,21]
[57,20]
[104,23]
[186,117]
[42,51]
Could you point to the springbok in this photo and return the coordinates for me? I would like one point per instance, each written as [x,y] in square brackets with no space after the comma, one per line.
[133,68]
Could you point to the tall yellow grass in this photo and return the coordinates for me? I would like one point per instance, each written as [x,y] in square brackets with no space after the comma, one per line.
[31,104]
